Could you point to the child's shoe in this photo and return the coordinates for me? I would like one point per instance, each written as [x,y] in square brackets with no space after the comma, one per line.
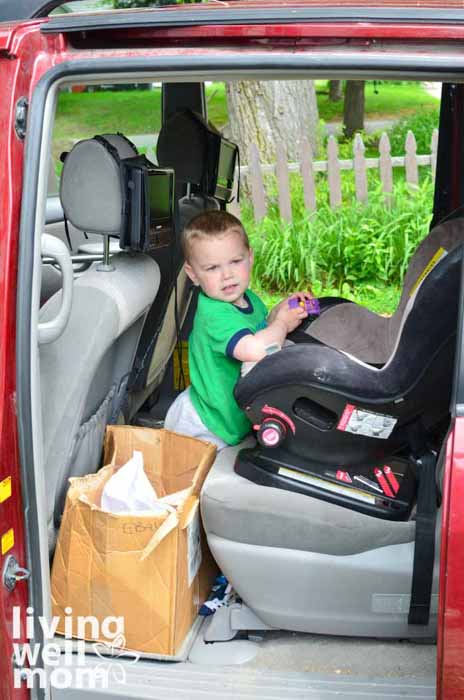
[219,596]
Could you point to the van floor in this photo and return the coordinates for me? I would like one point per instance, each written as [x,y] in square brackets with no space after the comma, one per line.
[287,666]
[345,656]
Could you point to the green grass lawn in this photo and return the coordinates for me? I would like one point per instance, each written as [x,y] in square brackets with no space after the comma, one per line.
[84,114]
[392,100]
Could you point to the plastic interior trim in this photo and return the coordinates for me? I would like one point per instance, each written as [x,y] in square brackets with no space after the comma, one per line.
[56,249]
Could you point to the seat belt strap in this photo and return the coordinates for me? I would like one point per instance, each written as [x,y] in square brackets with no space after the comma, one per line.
[424,546]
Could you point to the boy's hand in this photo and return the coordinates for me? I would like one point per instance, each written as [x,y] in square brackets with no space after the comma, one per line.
[290,317]
[302,295]
[284,303]
[281,321]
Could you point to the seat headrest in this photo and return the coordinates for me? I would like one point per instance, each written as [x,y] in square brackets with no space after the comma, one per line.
[183,145]
[123,145]
[91,188]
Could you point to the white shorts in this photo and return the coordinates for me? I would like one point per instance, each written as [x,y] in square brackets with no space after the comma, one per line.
[183,418]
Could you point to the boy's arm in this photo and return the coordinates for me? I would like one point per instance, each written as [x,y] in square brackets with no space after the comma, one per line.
[252,347]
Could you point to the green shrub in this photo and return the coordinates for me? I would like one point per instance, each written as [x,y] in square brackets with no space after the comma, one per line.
[421,124]
[355,244]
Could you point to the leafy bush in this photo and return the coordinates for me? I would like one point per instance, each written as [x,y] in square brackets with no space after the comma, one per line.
[421,124]
[345,146]
[342,248]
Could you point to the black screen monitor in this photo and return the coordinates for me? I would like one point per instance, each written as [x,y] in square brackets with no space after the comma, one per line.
[149,204]
[226,170]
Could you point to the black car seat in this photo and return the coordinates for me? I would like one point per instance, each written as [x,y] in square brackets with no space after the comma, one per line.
[367,335]
[82,369]
[312,384]
[182,145]
[303,528]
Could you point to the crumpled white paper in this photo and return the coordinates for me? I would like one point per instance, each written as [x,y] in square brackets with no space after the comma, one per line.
[130,491]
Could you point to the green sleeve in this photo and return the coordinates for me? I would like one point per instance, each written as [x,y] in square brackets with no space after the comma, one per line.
[228,326]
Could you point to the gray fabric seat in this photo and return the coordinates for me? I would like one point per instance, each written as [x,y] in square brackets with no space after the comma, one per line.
[82,371]
[368,336]
[302,564]
[237,509]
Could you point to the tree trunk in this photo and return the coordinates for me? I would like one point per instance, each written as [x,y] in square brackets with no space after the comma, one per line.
[262,112]
[353,108]
[335,90]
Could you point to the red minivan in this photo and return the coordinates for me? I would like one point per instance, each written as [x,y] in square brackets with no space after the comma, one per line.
[354,592]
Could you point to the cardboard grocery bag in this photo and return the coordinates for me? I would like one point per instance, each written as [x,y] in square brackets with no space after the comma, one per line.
[154,571]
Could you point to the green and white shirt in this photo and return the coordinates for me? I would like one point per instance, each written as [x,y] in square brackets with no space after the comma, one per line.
[214,372]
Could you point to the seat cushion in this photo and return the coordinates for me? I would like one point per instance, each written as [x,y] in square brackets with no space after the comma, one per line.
[355,330]
[239,510]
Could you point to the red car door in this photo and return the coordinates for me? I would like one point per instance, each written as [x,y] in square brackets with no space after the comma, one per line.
[13,593]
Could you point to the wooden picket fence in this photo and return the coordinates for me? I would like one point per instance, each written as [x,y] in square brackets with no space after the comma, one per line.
[308,167]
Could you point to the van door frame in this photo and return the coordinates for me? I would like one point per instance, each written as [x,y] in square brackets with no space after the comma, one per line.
[167,68]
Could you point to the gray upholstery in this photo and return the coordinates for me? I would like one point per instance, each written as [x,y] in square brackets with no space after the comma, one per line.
[84,369]
[368,336]
[191,205]
[82,240]
[50,282]
[124,147]
[304,565]
[91,188]
[236,509]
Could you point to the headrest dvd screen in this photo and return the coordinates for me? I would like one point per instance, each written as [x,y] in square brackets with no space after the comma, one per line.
[226,170]
[160,197]
[149,204]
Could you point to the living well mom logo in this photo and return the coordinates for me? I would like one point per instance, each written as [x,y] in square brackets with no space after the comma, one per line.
[66,664]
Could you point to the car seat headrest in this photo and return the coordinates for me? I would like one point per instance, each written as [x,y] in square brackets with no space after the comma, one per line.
[193,205]
[199,154]
[91,188]
[182,145]
[123,145]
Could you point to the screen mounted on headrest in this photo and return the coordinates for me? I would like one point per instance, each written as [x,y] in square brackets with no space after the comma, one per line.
[149,204]
[224,177]
[108,190]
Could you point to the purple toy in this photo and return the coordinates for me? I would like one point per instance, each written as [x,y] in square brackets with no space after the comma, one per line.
[312,306]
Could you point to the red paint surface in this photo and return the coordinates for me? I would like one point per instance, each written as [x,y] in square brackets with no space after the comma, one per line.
[342,30]
[450,676]
[11,511]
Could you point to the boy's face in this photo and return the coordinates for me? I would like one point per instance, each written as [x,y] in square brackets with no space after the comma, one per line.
[221,266]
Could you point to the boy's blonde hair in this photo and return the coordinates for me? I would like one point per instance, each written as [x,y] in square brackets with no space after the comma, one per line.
[210,224]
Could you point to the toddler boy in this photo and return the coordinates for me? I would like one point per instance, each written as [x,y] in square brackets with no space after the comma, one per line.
[231,326]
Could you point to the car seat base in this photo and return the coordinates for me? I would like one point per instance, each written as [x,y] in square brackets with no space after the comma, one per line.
[386,490]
